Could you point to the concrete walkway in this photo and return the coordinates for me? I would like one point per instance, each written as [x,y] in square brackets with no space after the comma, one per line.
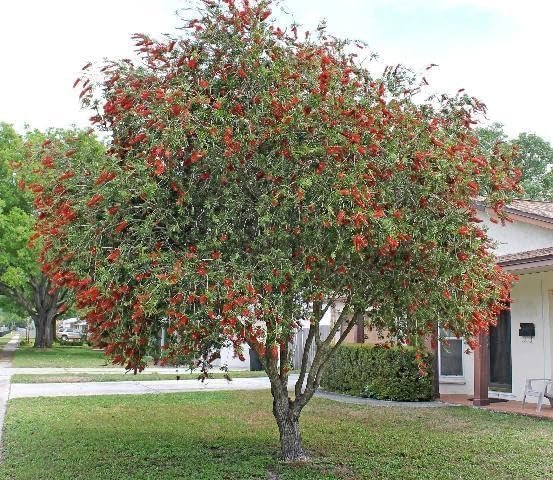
[95,370]
[25,390]
[371,402]
[6,355]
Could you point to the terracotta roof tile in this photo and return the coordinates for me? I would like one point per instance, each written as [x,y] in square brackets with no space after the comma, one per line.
[525,257]
[533,208]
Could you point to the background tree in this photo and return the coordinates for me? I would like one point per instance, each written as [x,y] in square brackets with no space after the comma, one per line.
[534,157]
[256,176]
[24,289]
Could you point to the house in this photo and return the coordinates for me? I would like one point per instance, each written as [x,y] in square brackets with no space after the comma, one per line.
[521,345]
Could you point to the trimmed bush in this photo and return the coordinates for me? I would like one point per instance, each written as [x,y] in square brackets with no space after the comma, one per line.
[378,372]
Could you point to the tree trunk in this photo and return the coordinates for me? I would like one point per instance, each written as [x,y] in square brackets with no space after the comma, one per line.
[289,428]
[44,330]
[46,305]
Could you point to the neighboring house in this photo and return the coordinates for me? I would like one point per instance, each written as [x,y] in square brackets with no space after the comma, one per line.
[521,345]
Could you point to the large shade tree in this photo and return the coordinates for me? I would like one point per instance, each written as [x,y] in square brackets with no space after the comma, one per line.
[256,175]
[23,288]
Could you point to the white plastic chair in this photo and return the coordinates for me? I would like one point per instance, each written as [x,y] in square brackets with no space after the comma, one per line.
[540,388]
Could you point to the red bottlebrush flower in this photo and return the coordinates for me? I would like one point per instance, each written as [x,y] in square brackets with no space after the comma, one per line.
[473,186]
[176,299]
[379,213]
[264,15]
[176,110]
[114,255]
[97,198]
[216,255]
[105,177]
[274,351]
[196,156]
[341,218]
[201,270]
[113,210]
[159,167]
[374,150]
[462,256]
[121,226]
[48,162]
[203,83]
[393,243]
[66,175]
[464,230]
[359,242]
[192,63]
[137,139]
[320,167]
[447,294]
[359,219]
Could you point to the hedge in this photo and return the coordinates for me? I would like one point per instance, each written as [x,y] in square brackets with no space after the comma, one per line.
[378,372]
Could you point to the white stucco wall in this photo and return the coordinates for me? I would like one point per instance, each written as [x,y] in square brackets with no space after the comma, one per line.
[517,236]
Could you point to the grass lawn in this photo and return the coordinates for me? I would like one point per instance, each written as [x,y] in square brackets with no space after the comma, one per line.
[5,339]
[232,435]
[116,377]
[59,356]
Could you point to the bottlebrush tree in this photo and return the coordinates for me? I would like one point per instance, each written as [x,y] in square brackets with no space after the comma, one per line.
[255,176]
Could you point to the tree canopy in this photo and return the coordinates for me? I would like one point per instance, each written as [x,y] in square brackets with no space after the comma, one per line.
[17,262]
[534,156]
[255,176]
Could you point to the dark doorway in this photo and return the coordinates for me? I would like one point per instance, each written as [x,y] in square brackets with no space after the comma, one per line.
[500,354]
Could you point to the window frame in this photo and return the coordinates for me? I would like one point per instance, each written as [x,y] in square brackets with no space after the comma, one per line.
[451,338]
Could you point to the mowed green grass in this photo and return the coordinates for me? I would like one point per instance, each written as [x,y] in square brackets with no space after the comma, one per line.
[59,356]
[232,435]
[121,377]
[5,339]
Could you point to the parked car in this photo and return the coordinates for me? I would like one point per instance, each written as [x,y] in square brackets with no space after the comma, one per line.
[68,334]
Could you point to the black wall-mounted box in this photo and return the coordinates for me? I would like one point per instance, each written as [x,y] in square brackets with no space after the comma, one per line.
[527,330]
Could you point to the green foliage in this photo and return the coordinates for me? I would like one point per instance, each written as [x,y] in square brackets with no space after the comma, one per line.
[379,372]
[535,159]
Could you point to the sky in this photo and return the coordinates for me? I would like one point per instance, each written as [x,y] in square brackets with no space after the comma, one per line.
[498,50]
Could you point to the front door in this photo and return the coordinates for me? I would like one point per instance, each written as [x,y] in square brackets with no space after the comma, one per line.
[500,354]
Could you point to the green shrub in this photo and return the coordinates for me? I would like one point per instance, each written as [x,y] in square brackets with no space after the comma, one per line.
[378,372]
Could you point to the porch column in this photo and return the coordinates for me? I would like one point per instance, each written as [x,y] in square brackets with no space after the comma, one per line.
[482,370]
[435,363]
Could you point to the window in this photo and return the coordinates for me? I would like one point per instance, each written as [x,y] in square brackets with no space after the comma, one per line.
[451,355]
